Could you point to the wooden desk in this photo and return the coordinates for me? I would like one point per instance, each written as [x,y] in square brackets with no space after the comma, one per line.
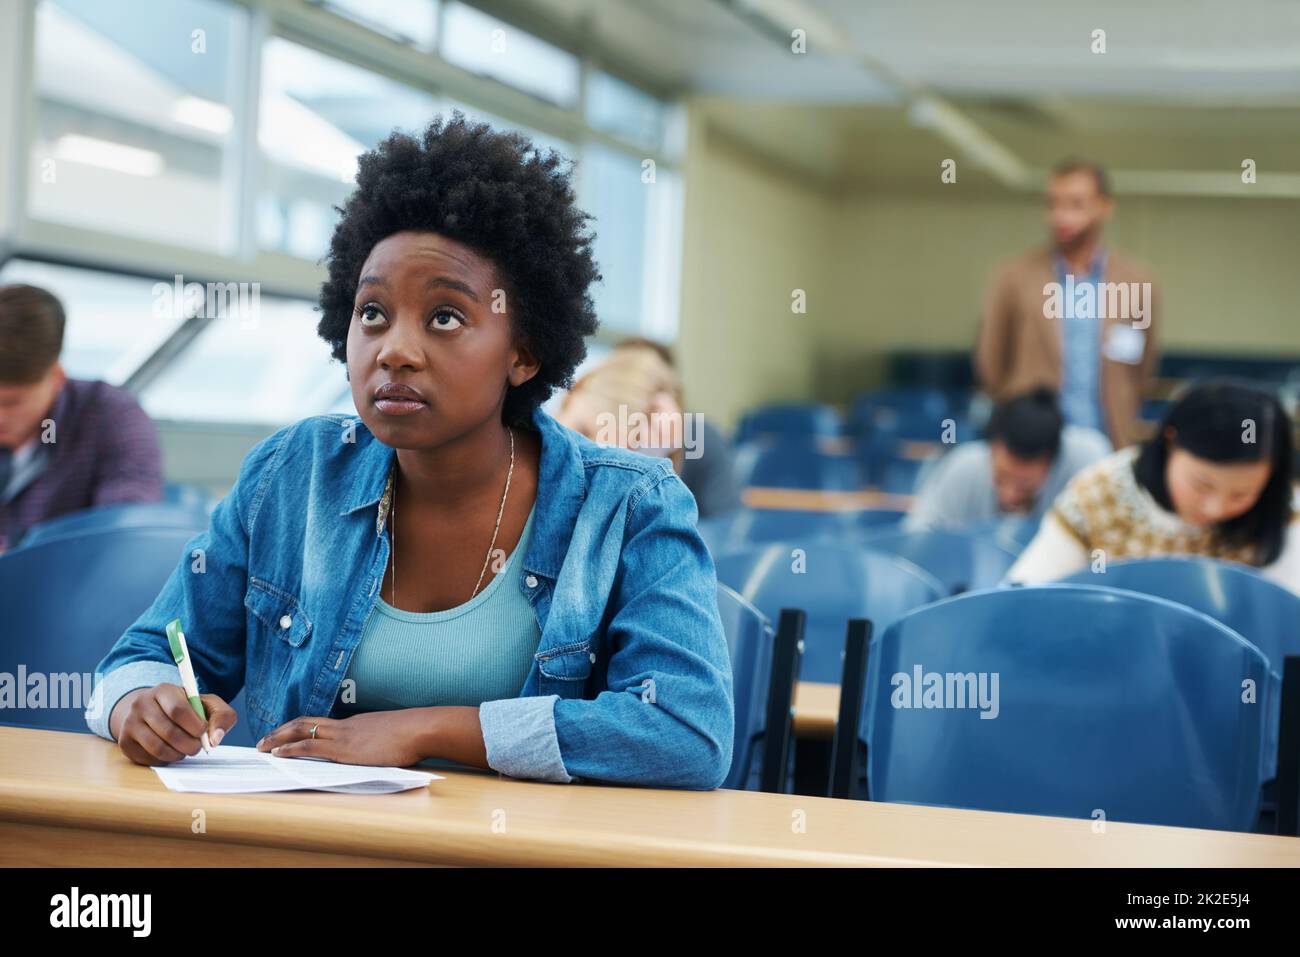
[816,709]
[73,799]
[808,500]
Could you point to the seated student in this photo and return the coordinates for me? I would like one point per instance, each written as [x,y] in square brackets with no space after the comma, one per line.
[1214,480]
[558,615]
[638,377]
[65,444]
[1026,457]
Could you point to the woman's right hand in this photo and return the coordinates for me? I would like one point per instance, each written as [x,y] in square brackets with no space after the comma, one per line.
[156,725]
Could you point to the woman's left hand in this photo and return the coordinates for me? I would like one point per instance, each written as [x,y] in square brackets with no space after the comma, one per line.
[382,738]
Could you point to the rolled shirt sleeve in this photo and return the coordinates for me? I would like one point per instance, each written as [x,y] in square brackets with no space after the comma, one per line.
[520,738]
[120,682]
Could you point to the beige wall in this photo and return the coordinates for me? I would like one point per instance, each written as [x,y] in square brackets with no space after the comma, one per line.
[753,233]
[908,270]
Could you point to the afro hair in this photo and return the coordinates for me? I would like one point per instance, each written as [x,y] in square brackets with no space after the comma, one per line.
[510,202]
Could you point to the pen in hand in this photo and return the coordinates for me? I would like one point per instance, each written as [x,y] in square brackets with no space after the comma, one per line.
[181,655]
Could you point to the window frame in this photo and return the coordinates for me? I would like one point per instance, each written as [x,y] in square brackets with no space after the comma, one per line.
[334,35]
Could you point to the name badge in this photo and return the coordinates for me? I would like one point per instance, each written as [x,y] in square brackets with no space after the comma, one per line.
[1125,344]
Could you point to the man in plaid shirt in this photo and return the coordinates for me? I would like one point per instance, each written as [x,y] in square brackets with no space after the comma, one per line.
[65,444]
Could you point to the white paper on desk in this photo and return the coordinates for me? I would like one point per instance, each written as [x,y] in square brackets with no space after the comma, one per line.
[235,770]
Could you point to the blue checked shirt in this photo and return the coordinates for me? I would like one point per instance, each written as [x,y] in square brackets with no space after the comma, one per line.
[1081,347]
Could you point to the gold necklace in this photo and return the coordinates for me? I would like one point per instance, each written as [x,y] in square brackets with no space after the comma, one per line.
[392,514]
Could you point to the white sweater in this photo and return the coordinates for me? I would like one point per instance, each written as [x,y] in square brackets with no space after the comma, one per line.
[1104,512]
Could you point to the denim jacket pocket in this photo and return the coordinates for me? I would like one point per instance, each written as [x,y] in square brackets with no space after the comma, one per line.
[279,611]
[278,627]
[564,670]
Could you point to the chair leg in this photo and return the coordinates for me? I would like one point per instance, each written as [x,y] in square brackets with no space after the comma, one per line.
[787,652]
[853,689]
[1288,750]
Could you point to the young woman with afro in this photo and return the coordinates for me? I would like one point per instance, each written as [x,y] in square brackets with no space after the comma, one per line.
[449,576]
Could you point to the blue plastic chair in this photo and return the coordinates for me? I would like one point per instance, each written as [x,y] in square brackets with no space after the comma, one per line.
[799,419]
[838,582]
[961,561]
[877,519]
[189,518]
[1153,410]
[915,426]
[1261,611]
[894,463]
[899,476]
[1012,533]
[1107,701]
[65,601]
[875,410]
[796,464]
[182,493]
[749,640]
[745,527]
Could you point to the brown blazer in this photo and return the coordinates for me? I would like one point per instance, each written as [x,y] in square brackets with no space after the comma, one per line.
[1019,346]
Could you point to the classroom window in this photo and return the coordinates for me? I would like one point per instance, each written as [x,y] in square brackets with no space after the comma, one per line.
[636,238]
[483,44]
[317,115]
[135,118]
[414,22]
[624,110]
[264,364]
[112,326]
[539,139]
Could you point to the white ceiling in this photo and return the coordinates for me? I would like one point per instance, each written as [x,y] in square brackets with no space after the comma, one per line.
[1240,50]
[1222,51]
[1184,85]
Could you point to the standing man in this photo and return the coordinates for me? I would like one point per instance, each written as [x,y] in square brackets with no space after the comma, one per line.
[1075,316]
[65,444]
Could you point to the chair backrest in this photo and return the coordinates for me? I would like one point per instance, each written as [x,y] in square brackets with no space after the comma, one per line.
[898,476]
[961,561]
[880,409]
[749,641]
[796,463]
[916,425]
[1105,703]
[192,518]
[1012,532]
[1261,611]
[790,419]
[875,520]
[896,459]
[744,527]
[183,493]
[831,583]
[64,602]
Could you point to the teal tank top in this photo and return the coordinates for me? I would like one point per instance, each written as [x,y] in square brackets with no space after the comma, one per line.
[478,651]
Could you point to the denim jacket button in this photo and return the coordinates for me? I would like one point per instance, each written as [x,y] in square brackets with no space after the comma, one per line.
[285,621]
[531,581]
[592,656]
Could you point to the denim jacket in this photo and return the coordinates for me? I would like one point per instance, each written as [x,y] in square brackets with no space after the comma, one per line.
[631,682]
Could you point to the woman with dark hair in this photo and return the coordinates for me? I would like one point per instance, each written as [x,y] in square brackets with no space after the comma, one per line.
[1214,480]
[452,576]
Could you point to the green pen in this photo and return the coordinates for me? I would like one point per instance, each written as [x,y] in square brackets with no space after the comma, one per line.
[181,654]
